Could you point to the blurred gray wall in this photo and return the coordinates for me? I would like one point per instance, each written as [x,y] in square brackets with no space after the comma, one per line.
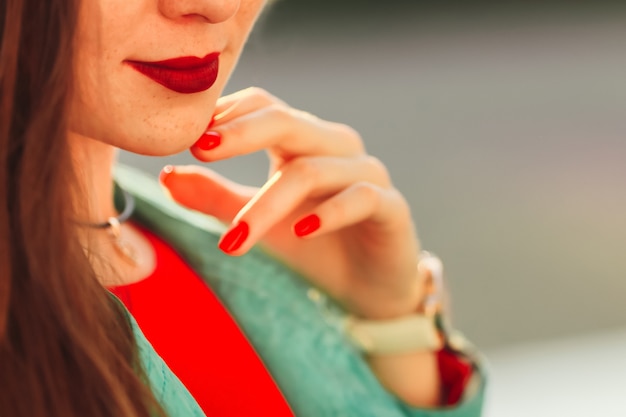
[503,125]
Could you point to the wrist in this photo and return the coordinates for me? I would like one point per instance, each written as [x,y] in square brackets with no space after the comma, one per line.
[418,328]
[414,297]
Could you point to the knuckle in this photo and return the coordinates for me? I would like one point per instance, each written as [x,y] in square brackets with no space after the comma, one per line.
[305,115]
[378,168]
[402,203]
[261,94]
[367,192]
[264,97]
[235,129]
[279,112]
[401,206]
[307,169]
[337,208]
[351,136]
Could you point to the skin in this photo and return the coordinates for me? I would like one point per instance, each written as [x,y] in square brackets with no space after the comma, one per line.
[367,237]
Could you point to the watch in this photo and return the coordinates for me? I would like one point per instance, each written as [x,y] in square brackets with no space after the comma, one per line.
[425,330]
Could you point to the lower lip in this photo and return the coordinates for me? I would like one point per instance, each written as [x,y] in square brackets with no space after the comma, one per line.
[181,80]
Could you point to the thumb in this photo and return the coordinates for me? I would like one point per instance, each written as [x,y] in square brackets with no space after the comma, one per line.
[204,190]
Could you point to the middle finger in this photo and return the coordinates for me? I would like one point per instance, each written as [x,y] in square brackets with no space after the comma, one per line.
[297,181]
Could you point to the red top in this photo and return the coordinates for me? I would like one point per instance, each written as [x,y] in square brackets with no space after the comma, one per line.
[201,343]
[198,339]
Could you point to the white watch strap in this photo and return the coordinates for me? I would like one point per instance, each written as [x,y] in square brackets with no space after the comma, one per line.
[406,334]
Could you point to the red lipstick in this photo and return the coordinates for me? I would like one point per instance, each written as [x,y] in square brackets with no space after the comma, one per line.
[185,75]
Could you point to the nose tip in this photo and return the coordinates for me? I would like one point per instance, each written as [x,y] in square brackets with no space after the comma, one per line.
[212,11]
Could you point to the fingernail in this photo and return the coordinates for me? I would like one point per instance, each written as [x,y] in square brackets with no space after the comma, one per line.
[307,225]
[165,172]
[209,140]
[212,122]
[234,238]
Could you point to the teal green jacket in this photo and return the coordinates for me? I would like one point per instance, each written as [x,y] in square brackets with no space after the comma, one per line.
[297,331]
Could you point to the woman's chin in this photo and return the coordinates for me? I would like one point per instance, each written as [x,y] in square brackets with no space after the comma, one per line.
[162,149]
[160,143]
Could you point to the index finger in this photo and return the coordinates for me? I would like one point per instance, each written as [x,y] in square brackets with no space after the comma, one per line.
[284,132]
[242,102]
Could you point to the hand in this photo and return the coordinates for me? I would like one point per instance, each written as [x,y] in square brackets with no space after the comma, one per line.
[329,210]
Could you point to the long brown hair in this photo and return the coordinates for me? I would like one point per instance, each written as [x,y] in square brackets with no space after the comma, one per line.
[66,348]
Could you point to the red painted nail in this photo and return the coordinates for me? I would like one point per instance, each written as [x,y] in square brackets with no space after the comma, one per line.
[211,123]
[307,225]
[234,238]
[165,172]
[209,140]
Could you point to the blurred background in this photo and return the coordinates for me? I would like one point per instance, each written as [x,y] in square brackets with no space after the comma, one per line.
[503,123]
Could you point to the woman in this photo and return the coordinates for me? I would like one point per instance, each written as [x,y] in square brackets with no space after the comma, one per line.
[78,81]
